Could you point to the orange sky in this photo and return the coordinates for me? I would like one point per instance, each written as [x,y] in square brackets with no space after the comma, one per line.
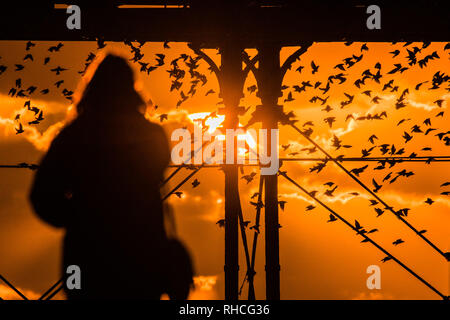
[319,260]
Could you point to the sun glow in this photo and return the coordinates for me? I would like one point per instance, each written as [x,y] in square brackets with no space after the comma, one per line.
[215,123]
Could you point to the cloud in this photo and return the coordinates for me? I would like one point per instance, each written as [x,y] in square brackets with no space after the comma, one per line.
[40,140]
[205,288]
[7,293]
[373,296]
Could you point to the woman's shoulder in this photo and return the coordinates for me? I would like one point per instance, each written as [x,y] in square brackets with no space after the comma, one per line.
[151,127]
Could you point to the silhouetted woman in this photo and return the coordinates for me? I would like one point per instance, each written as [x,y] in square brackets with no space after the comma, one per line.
[100,181]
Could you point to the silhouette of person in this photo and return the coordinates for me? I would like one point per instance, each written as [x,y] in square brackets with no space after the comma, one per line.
[100,181]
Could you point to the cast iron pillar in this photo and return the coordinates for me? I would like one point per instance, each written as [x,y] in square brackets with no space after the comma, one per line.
[269,90]
[231,92]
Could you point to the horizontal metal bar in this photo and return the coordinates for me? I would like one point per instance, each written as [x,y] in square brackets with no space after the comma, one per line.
[348,159]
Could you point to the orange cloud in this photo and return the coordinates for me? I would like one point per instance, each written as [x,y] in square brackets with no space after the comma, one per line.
[7,293]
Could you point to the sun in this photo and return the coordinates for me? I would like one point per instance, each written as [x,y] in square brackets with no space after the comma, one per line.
[215,123]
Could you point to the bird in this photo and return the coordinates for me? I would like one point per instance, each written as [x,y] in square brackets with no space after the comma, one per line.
[246,223]
[289,98]
[332,218]
[195,183]
[100,44]
[255,227]
[282,203]
[387,177]
[429,201]
[55,48]
[58,70]
[340,66]
[372,138]
[313,193]
[163,117]
[395,53]
[252,88]
[310,207]
[258,205]
[178,194]
[160,59]
[329,192]
[439,102]
[330,120]
[327,108]
[299,69]
[407,136]
[314,67]
[397,242]
[221,223]
[357,171]
[254,195]
[249,177]
[349,116]
[379,211]
[20,129]
[29,45]
[376,186]
[28,56]
[40,116]
[376,99]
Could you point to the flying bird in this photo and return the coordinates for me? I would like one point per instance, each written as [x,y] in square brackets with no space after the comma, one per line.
[314,67]
[282,203]
[20,129]
[249,177]
[332,218]
[163,117]
[376,186]
[195,183]
[58,70]
[55,48]
[221,223]
[29,45]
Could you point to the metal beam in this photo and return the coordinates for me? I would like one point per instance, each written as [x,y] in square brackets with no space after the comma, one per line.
[231,92]
[291,22]
[269,90]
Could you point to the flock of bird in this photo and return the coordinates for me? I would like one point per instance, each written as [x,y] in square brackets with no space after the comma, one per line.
[185,64]
[438,80]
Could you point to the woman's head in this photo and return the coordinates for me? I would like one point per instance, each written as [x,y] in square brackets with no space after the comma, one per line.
[111,88]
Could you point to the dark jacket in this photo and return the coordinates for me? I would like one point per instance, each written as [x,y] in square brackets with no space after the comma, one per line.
[100,181]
